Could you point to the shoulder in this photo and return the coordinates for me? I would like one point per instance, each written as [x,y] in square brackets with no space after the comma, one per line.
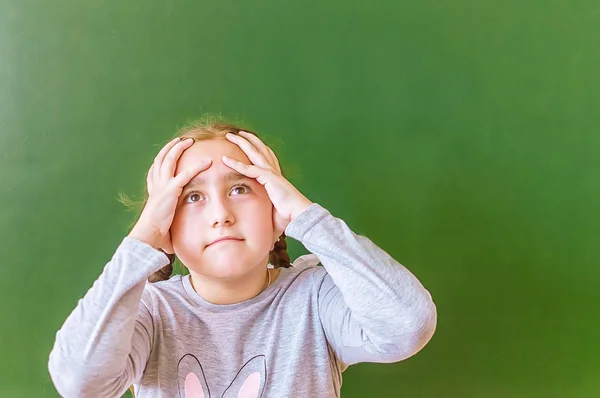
[167,290]
[173,283]
[304,270]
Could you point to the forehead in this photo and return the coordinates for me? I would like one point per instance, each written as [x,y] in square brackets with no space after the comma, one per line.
[211,149]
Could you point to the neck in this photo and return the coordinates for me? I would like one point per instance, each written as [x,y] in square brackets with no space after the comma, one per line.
[223,292]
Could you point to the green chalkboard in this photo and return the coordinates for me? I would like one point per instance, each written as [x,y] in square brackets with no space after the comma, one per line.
[462,137]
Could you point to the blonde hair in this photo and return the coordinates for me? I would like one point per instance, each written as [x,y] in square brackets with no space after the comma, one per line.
[208,127]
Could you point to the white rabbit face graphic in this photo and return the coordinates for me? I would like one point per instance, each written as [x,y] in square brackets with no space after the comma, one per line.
[248,383]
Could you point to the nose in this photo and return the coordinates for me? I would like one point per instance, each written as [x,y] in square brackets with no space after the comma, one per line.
[220,213]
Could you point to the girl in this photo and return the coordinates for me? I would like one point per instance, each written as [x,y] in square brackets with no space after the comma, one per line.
[244,322]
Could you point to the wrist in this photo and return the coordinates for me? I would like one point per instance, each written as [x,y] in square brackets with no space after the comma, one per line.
[301,208]
[145,235]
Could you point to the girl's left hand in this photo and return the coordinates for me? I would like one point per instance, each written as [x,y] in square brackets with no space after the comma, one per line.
[287,201]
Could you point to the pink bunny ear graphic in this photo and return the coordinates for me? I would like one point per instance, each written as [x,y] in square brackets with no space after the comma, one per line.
[193,388]
[251,386]
[191,380]
[250,380]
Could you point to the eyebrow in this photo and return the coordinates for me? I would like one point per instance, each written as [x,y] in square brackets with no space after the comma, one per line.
[232,176]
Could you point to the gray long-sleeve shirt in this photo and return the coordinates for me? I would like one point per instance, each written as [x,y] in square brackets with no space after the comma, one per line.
[292,340]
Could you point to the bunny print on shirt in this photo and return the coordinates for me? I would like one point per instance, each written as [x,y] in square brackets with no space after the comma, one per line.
[248,383]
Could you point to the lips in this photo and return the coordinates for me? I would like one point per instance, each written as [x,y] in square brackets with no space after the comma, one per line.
[224,239]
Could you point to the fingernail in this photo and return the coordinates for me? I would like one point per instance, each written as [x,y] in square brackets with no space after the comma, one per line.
[190,138]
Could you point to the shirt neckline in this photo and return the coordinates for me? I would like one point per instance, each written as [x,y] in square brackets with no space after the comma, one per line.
[198,300]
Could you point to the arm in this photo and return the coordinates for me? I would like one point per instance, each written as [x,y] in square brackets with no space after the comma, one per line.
[103,346]
[372,308]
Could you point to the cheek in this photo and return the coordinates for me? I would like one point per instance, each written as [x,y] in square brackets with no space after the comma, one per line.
[187,239]
[185,229]
[261,219]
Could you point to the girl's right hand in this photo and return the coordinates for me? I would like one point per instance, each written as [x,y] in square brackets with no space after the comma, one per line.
[164,189]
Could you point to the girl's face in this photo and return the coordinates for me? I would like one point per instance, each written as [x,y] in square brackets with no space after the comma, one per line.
[218,203]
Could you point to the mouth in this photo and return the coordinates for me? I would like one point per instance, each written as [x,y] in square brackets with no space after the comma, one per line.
[225,239]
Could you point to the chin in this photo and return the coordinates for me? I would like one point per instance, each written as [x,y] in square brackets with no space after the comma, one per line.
[227,266]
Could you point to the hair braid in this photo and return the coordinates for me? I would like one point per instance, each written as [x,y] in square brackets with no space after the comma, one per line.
[165,272]
[279,256]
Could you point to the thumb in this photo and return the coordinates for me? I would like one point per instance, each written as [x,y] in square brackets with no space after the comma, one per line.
[167,245]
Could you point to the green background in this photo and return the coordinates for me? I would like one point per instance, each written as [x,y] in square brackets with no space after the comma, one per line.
[462,137]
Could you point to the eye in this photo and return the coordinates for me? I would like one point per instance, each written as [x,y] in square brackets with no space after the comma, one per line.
[241,189]
[193,197]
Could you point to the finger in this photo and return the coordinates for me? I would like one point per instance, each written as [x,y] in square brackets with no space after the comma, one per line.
[167,169]
[185,176]
[253,154]
[275,160]
[158,159]
[252,171]
[261,147]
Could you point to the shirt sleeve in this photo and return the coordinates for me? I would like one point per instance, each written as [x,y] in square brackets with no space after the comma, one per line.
[104,344]
[371,307]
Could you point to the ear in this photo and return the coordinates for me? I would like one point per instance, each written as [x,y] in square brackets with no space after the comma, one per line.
[250,380]
[190,377]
